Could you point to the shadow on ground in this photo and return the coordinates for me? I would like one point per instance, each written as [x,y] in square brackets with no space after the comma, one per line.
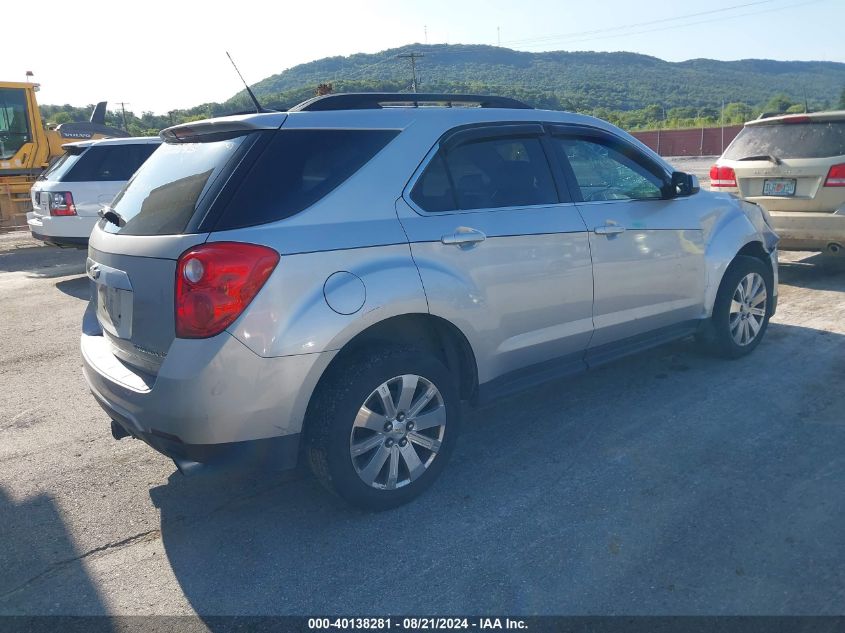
[818,272]
[667,483]
[79,287]
[43,261]
[36,544]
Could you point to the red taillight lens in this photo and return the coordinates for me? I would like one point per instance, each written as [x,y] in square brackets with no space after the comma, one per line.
[215,282]
[721,176]
[836,176]
[61,203]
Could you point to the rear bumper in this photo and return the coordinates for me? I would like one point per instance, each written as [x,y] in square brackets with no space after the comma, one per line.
[61,230]
[274,452]
[800,230]
[213,399]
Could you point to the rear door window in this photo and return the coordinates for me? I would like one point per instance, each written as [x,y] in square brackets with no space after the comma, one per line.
[167,190]
[297,169]
[789,140]
[487,174]
[109,162]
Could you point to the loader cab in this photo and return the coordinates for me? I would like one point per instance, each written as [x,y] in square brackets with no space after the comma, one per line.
[15,127]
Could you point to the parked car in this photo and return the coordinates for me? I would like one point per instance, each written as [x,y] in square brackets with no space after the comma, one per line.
[794,166]
[338,278]
[68,196]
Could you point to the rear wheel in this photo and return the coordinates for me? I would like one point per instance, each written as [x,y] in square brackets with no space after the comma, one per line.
[742,309]
[383,426]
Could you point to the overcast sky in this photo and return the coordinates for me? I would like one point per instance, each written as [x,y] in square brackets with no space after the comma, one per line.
[160,55]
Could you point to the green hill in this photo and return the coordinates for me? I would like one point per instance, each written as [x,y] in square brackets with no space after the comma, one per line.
[631,90]
[580,81]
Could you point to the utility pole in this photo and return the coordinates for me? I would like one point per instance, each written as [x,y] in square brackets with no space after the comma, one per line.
[123,105]
[498,36]
[425,30]
[413,57]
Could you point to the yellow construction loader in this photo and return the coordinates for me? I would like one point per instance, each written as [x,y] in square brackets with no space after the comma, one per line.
[27,146]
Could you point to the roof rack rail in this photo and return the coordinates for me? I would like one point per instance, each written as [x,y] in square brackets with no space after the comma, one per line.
[378,100]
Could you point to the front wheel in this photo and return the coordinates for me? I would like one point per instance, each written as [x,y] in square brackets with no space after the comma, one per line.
[383,426]
[742,309]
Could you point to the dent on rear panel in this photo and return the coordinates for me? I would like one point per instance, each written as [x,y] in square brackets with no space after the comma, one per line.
[293,314]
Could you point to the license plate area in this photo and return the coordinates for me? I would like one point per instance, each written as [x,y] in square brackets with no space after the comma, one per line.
[114,299]
[114,310]
[782,187]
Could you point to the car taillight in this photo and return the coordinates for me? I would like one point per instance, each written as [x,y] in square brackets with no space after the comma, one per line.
[721,176]
[215,282]
[836,176]
[61,203]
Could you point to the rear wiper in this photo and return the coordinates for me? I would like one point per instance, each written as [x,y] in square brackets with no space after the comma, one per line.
[110,215]
[768,157]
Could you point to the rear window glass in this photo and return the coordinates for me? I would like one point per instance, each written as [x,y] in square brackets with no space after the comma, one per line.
[109,163]
[60,166]
[488,174]
[792,140]
[298,168]
[164,193]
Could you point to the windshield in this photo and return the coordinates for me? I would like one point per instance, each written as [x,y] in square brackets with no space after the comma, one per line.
[789,140]
[164,193]
[60,166]
[14,128]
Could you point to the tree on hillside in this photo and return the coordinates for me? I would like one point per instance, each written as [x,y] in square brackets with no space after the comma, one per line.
[842,100]
[778,103]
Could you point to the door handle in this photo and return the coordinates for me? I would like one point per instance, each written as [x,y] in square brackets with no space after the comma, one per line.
[464,237]
[609,229]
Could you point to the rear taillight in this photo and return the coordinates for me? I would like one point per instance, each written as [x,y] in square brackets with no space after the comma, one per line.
[61,203]
[214,284]
[721,176]
[836,176]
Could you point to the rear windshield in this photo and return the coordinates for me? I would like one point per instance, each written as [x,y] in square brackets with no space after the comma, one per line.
[103,163]
[793,140]
[60,166]
[164,193]
[298,168]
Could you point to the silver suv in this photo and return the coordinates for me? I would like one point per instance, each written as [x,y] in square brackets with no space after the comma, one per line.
[333,281]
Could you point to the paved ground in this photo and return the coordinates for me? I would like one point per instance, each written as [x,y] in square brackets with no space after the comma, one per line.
[668,483]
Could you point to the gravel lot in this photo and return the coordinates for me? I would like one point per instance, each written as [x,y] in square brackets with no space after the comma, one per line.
[667,483]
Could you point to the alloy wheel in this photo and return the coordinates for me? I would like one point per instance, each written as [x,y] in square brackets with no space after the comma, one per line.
[748,309]
[397,432]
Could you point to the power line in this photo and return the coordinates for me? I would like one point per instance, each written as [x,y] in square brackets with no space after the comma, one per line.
[637,24]
[413,57]
[608,33]
[679,26]
[123,105]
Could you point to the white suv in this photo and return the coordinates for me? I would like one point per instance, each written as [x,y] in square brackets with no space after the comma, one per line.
[68,196]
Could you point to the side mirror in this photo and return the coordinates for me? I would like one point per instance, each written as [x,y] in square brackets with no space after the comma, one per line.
[682,184]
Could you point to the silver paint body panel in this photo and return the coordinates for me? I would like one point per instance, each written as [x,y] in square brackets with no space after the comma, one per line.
[542,284]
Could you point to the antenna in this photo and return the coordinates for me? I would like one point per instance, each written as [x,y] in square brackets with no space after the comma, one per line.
[258,107]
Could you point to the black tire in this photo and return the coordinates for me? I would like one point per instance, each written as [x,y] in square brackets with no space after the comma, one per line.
[331,416]
[717,337]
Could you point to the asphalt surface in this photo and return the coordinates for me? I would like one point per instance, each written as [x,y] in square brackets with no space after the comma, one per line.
[666,483]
